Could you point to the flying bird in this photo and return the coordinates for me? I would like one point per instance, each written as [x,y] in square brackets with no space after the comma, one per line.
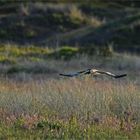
[93,72]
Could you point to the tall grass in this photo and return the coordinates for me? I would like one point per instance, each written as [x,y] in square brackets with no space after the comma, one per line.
[37,104]
[77,96]
[70,109]
[31,59]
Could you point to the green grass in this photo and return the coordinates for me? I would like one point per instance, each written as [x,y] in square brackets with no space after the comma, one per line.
[35,51]
[11,52]
[36,103]
[65,53]
[69,130]
[32,59]
[69,109]
[17,51]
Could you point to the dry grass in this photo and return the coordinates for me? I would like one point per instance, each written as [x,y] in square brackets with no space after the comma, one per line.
[75,105]
[45,106]
[77,15]
[65,97]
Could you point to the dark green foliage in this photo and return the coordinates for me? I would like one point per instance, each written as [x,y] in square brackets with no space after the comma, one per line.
[131,3]
[127,39]
[65,53]
[50,125]
[15,69]
[29,69]
[88,50]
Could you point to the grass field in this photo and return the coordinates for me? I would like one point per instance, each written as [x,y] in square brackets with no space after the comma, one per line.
[42,39]
[35,103]
[82,108]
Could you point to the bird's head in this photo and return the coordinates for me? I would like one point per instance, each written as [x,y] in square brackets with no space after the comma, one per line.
[93,70]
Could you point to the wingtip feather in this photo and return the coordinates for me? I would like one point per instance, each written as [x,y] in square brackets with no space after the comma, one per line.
[120,76]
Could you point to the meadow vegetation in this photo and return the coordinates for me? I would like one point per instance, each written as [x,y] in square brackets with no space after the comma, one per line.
[36,103]
[69,109]
[34,59]
[14,53]
[39,40]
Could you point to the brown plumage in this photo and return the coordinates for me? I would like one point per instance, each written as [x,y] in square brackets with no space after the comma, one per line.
[93,72]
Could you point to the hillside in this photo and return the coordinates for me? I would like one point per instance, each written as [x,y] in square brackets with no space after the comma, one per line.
[124,33]
[50,24]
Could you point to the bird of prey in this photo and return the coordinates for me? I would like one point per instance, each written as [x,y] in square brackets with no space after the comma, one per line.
[93,72]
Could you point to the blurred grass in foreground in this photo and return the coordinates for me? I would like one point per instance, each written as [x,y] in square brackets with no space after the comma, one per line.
[69,109]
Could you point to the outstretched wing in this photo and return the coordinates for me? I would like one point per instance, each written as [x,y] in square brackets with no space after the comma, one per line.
[69,75]
[120,76]
[111,74]
[76,73]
